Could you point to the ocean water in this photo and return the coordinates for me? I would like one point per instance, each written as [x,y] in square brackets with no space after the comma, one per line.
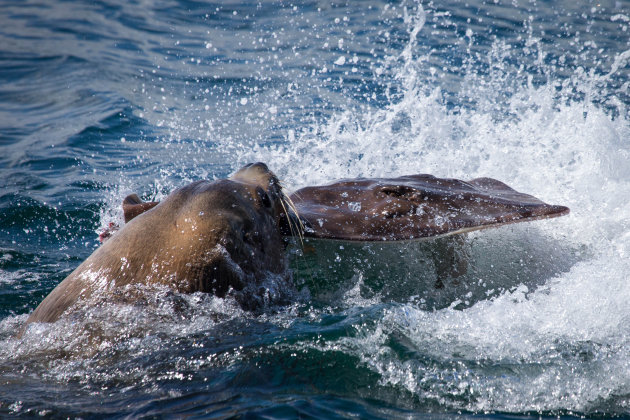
[102,98]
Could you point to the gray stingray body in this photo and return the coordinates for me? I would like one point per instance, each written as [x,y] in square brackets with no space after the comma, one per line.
[414,207]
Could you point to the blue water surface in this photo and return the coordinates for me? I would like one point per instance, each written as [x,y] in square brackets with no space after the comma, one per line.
[102,98]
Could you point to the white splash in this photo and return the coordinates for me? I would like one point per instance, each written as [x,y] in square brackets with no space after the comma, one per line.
[567,340]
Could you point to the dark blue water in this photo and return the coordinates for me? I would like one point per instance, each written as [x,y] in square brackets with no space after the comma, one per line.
[102,98]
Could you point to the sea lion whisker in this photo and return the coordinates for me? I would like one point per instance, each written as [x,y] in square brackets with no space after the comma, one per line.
[300,224]
[295,225]
[285,202]
[296,228]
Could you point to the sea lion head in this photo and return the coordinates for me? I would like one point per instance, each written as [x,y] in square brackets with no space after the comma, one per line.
[233,232]
[223,237]
[220,237]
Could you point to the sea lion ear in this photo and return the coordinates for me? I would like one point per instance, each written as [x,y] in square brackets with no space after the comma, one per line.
[412,207]
[133,206]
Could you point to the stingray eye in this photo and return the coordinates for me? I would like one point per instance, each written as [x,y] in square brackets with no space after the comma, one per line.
[398,191]
[264,198]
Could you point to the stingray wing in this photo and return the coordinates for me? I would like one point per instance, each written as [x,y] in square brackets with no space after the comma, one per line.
[413,207]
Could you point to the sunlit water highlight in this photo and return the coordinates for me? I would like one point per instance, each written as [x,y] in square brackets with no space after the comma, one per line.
[535,95]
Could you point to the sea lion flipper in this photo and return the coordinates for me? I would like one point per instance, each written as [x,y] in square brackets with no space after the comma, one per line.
[133,206]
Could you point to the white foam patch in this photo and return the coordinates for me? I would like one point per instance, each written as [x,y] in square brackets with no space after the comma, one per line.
[19,276]
[564,346]
[90,342]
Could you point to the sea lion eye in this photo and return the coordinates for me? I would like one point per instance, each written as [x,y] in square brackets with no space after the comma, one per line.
[264,198]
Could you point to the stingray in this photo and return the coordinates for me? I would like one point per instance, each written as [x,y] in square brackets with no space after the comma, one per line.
[413,207]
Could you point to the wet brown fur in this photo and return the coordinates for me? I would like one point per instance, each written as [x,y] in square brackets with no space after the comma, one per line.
[205,237]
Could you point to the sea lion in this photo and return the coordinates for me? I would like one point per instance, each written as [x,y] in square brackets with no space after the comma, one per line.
[227,236]
[216,237]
